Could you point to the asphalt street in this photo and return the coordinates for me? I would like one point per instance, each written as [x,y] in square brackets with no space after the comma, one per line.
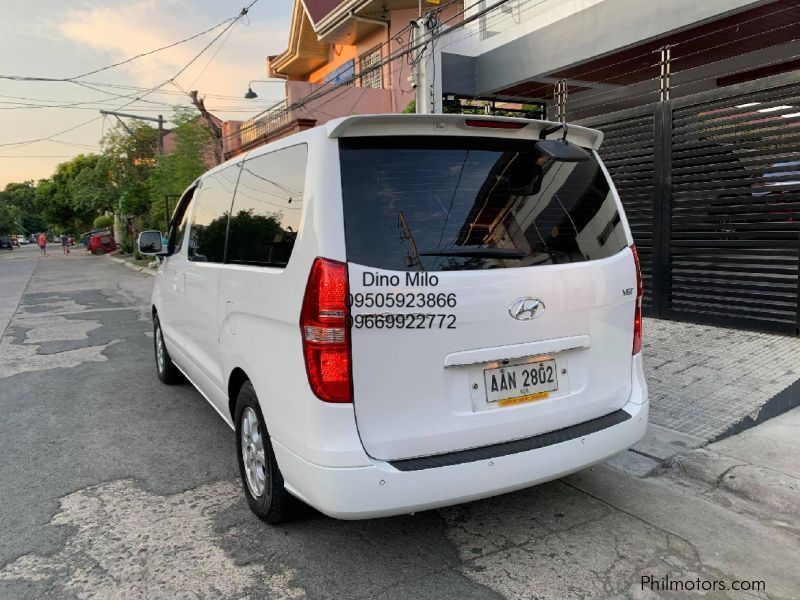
[115,486]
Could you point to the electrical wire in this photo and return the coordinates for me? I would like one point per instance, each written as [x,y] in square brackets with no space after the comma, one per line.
[394,56]
[48,138]
[231,22]
[123,62]
[210,60]
[407,51]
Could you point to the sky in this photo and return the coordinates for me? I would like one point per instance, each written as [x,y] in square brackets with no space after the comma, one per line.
[58,38]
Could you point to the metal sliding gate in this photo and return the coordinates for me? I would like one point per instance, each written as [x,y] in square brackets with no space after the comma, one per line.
[711,187]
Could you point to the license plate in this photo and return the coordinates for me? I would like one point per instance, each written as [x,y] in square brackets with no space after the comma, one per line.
[521,383]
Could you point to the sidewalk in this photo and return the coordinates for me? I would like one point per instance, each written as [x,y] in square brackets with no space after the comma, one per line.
[758,470]
[132,263]
[710,382]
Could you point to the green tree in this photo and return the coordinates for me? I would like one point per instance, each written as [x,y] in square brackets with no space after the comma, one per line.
[19,200]
[91,188]
[7,220]
[174,172]
[128,158]
[61,200]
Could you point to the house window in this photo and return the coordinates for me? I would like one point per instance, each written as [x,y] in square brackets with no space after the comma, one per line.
[373,78]
[342,74]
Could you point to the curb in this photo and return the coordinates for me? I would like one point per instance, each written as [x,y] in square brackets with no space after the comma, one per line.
[782,402]
[145,270]
[779,492]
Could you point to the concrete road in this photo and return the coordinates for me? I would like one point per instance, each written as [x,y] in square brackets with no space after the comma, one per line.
[115,486]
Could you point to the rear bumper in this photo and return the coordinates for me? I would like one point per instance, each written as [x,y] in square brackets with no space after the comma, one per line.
[382,489]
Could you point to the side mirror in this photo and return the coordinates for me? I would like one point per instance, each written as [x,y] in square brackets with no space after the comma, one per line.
[562,150]
[150,243]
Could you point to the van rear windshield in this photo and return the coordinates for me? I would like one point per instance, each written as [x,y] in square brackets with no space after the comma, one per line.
[455,203]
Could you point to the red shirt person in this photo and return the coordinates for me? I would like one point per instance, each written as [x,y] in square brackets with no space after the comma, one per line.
[42,241]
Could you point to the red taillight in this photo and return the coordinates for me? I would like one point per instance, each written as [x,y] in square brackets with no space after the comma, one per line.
[637,315]
[326,337]
[494,124]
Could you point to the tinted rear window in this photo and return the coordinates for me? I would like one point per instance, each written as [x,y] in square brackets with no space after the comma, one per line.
[457,203]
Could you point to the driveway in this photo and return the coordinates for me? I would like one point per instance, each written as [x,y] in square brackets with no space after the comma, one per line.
[115,486]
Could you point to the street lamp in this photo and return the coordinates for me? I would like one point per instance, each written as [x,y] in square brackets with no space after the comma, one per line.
[250,94]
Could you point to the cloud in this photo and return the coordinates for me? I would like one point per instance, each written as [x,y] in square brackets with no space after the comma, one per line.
[119,32]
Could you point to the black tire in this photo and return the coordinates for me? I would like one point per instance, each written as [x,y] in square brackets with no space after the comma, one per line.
[274,504]
[99,252]
[167,371]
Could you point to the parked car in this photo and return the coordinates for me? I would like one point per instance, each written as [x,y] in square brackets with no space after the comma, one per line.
[86,237]
[5,242]
[102,242]
[22,240]
[400,312]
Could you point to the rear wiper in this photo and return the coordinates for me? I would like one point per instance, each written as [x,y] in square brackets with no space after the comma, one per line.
[476,252]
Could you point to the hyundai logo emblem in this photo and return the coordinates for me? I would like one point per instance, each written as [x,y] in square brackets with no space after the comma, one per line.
[526,309]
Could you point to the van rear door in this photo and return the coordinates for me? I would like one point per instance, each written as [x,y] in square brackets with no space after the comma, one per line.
[493,292]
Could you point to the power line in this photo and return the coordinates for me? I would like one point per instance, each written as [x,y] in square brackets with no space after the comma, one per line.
[210,60]
[123,62]
[42,139]
[342,86]
[231,22]
[398,54]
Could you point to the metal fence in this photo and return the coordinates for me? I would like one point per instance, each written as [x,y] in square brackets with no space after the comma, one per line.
[273,118]
[711,187]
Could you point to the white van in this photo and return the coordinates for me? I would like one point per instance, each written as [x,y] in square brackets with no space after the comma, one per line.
[400,312]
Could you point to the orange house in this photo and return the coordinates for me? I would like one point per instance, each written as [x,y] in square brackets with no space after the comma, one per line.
[331,45]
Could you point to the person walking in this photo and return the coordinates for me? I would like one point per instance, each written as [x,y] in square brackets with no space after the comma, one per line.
[42,241]
[64,243]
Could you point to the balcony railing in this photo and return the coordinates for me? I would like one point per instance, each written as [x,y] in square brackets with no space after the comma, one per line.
[273,118]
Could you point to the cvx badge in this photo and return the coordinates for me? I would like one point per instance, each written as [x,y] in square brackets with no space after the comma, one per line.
[526,309]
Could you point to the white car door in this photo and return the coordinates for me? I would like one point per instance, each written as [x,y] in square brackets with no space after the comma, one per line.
[206,251]
[172,277]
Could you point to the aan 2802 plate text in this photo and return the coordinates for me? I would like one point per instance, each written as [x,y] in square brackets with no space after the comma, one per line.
[521,383]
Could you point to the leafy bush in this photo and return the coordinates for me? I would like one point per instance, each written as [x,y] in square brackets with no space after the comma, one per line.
[103,221]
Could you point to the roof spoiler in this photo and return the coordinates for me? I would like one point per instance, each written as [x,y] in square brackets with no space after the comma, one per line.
[448,124]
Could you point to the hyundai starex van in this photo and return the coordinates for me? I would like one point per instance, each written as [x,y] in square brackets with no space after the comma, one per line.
[401,312]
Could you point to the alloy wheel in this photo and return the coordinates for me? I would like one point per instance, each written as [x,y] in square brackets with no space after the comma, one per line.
[253,455]
[160,350]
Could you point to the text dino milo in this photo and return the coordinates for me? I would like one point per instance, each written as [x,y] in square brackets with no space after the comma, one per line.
[426,309]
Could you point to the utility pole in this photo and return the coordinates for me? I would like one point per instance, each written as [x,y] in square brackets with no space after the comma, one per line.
[428,68]
[200,105]
[159,120]
[118,226]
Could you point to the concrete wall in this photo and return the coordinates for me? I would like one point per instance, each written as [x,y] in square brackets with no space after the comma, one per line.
[599,29]
[340,102]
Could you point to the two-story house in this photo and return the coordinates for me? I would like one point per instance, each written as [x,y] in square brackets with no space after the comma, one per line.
[331,43]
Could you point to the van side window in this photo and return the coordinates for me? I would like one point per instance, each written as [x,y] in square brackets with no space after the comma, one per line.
[177,232]
[210,217]
[267,207]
